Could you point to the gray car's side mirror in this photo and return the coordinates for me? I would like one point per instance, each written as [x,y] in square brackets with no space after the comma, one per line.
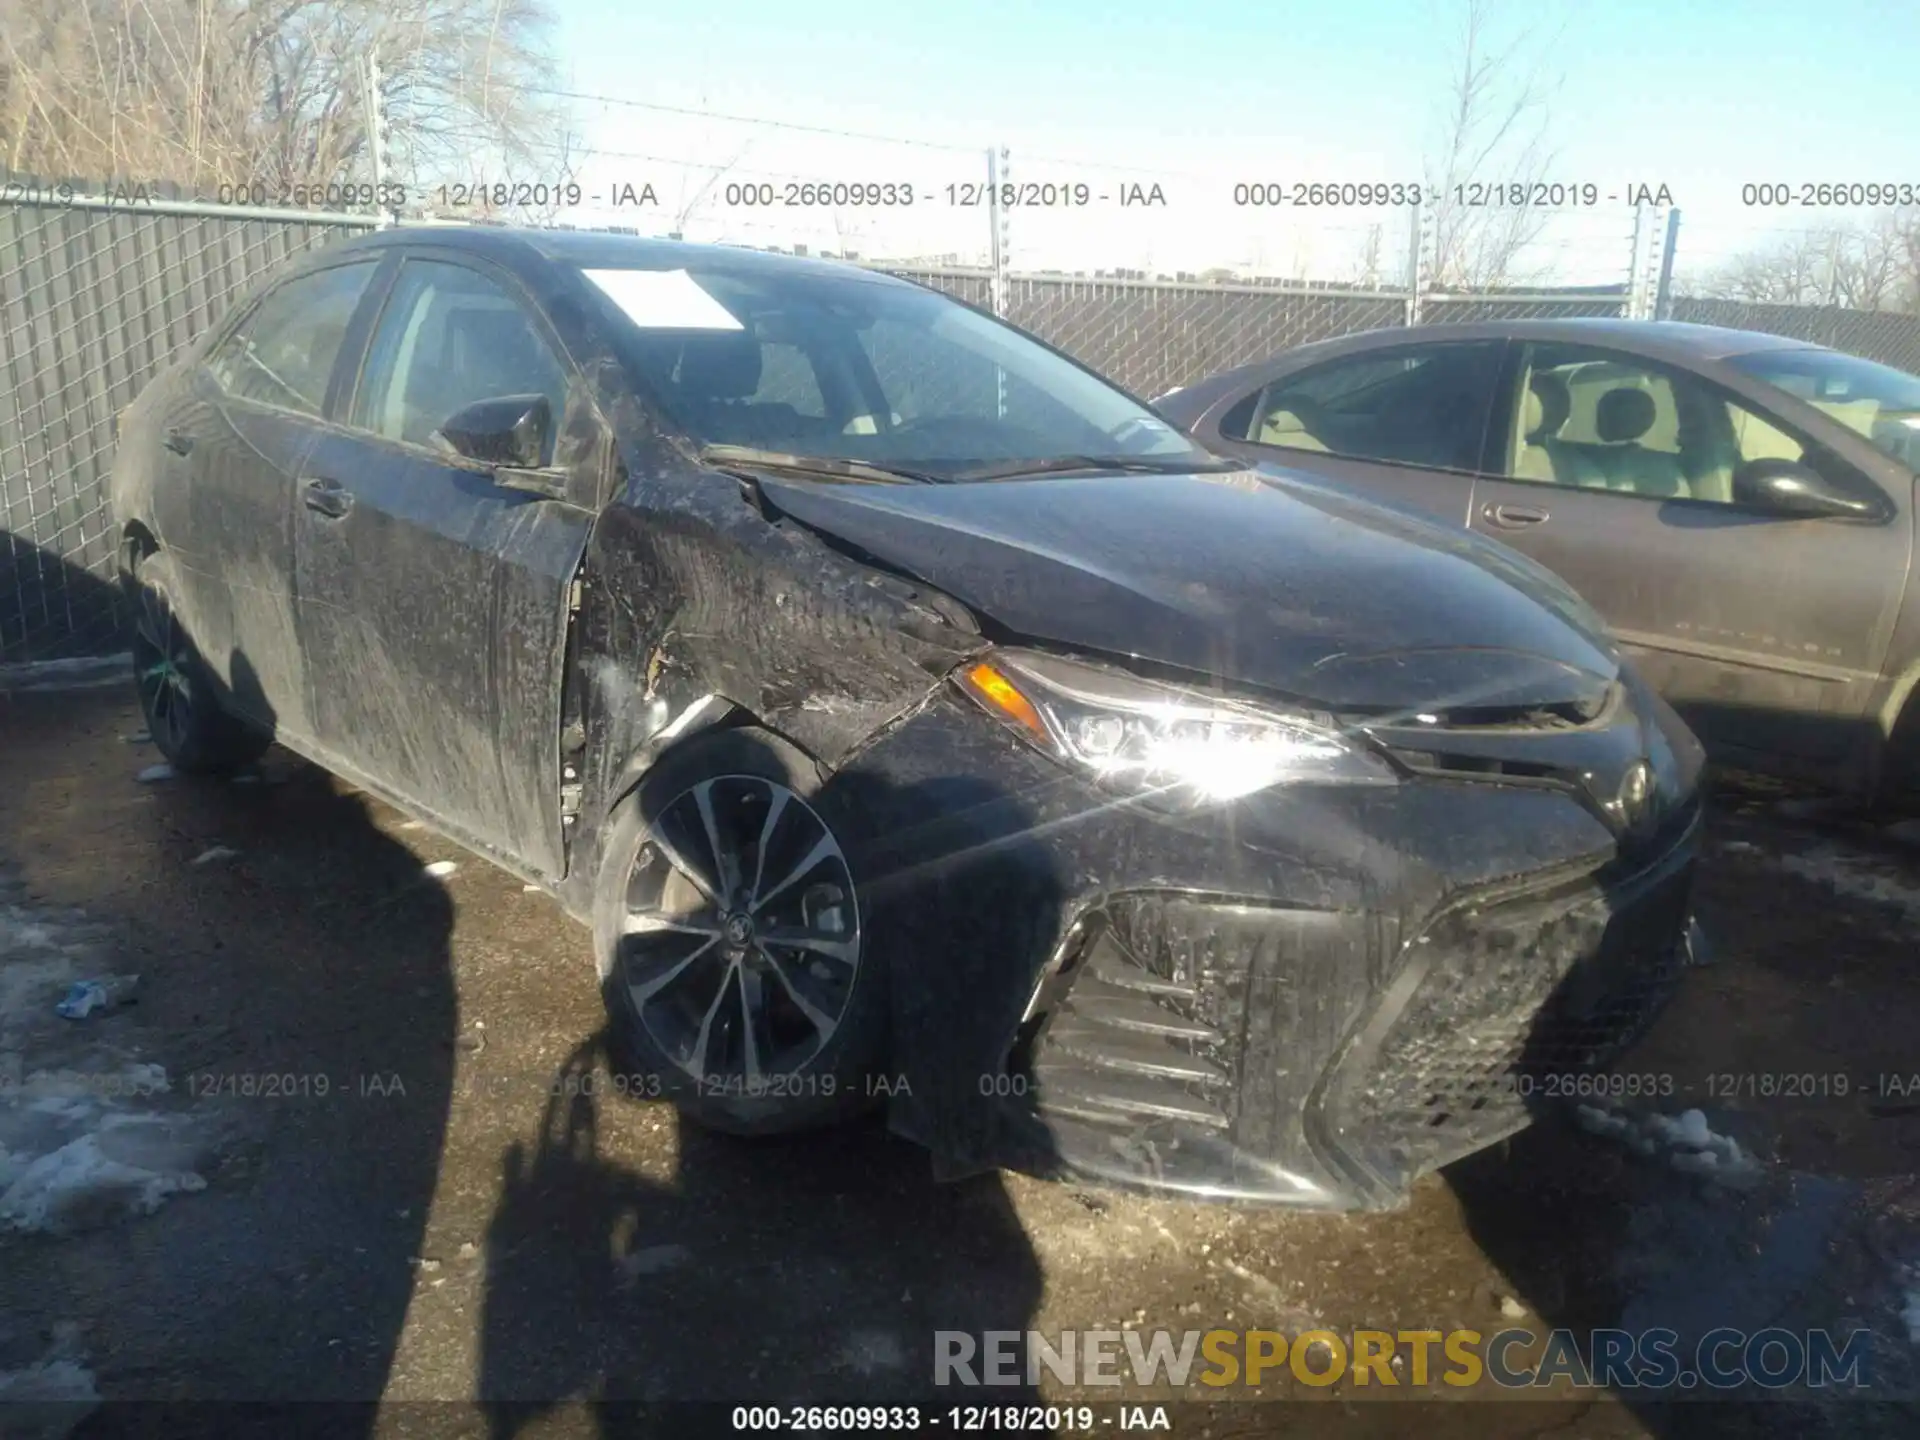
[506,430]
[1786,487]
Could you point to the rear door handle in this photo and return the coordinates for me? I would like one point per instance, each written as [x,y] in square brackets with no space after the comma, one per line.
[328,497]
[1513,517]
[178,441]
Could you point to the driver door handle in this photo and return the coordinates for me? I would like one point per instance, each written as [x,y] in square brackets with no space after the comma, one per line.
[327,497]
[1513,517]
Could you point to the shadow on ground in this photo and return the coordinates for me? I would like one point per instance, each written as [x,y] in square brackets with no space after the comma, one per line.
[780,1270]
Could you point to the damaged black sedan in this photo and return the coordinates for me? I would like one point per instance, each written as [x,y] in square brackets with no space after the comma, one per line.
[915,719]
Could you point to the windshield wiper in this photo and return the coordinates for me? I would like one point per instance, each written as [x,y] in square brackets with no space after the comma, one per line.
[830,465]
[1128,464]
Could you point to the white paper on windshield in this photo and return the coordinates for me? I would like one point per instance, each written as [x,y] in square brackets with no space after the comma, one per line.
[663,300]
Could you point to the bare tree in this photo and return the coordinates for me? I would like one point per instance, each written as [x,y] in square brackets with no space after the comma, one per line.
[1367,266]
[265,92]
[1493,130]
[1871,266]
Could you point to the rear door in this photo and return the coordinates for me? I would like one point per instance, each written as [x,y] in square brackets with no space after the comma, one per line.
[433,600]
[237,436]
[1405,423]
[1766,631]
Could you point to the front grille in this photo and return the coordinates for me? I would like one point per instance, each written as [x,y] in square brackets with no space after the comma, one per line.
[1499,1006]
[1126,1046]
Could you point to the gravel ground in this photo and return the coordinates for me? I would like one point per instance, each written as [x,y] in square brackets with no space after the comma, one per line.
[372,1172]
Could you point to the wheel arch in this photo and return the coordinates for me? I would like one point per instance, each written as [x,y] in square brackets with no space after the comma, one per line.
[705,717]
[137,542]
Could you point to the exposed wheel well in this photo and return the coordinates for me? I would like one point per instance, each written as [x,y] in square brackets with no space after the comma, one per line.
[136,544]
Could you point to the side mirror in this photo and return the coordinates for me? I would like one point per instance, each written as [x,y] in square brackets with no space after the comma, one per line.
[509,430]
[1786,487]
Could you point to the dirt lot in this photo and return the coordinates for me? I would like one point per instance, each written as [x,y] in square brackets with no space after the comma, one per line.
[371,1172]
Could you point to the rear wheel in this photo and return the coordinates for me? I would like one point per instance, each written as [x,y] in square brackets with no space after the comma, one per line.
[730,934]
[177,694]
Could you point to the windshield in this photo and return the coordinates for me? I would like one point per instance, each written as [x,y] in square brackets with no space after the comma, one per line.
[1876,401]
[852,367]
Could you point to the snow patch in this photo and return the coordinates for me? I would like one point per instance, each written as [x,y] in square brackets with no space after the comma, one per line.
[81,673]
[1688,1142]
[440,869]
[89,1134]
[1855,876]
[155,773]
[653,1260]
[83,1184]
[48,1400]
[217,852]
[865,1352]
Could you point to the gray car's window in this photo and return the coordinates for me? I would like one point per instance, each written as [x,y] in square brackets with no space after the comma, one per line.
[449,336]
[283,352]
[1423,405]
[1602,421]
[1877,402]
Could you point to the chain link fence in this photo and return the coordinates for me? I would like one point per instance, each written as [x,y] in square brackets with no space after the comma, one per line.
[1877,334]
[95,299]
[93,303]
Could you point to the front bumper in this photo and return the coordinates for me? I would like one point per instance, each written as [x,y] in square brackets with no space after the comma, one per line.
[1309,997]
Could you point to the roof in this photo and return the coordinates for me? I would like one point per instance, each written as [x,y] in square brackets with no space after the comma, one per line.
[1652,337]
[594,248]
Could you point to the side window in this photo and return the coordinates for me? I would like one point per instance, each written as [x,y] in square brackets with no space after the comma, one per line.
[283,352]
[449,336]
[1613,422]
[1420,405]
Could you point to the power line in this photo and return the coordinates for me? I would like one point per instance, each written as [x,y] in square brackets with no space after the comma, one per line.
[658,108]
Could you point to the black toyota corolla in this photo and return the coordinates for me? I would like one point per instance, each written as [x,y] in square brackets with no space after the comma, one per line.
[914,718]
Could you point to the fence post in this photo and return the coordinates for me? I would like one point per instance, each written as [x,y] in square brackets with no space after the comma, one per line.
[377,138]
[1663,296]
[1416,262]
[997,218]
[1636,263]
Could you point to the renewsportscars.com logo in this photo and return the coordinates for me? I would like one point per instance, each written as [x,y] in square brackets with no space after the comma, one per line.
[1724,1359]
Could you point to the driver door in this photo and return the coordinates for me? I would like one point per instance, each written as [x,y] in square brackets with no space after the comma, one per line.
[1765,631]
[432,601]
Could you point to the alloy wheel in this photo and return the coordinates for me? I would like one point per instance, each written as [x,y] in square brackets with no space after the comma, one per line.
[162,659]
[740,935]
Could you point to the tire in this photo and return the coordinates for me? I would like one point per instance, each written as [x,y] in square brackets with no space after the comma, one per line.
[747,1034]
[178,697]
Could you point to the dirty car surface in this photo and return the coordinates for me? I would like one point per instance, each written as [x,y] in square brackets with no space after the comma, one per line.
[915,719]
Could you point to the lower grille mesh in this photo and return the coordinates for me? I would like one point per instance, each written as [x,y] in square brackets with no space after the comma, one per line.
[1510,1004]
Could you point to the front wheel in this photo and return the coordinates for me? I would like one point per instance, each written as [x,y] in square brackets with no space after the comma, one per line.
[177,695]
[730,935]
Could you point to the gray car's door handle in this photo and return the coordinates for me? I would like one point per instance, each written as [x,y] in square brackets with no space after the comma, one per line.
[1513,517]
[178,441]
[328,497]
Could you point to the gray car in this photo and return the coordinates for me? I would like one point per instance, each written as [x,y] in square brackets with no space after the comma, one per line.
[1738,506]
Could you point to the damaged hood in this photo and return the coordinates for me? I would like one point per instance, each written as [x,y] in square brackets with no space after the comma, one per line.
[1252,578]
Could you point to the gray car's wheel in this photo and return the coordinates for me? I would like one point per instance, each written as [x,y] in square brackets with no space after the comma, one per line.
[177,696]
[731,938]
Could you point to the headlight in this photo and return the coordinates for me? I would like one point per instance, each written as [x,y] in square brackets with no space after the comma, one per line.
[1178,747]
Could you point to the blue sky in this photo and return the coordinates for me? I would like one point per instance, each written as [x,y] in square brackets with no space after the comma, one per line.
[1698,96]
